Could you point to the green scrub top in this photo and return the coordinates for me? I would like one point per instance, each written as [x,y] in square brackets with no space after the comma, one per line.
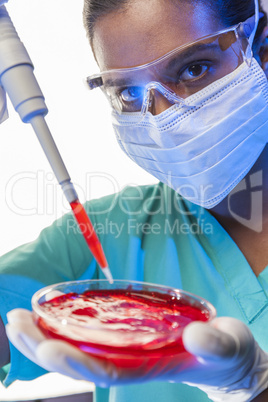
[150,234]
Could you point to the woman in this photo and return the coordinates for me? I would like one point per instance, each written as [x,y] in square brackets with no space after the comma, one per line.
[196,117]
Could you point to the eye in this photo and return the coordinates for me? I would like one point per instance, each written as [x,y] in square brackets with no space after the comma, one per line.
[131,94]
[194,71]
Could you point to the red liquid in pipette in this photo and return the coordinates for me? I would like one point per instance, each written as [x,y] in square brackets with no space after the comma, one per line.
[132,329]
[89,233]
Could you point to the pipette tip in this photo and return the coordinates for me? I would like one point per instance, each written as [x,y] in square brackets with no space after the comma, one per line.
[108,274]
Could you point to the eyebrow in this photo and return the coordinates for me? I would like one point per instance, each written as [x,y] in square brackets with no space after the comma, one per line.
[189,52]
[121,82]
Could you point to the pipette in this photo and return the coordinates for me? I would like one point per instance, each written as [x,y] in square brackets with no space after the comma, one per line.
[18,80]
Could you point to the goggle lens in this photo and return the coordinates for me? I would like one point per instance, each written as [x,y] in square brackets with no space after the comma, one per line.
[176,75]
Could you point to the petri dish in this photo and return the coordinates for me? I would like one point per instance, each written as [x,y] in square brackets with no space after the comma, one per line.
[134,325]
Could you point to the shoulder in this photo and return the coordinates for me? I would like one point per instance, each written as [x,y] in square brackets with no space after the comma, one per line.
[134,200]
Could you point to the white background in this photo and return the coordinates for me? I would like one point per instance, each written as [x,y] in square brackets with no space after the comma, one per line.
[30,198]
[79,119]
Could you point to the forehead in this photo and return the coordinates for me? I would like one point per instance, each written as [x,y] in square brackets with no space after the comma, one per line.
[147,29]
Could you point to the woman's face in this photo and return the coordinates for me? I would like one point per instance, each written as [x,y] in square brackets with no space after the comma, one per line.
[148,29]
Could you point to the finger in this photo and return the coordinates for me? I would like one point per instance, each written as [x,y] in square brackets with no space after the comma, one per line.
[19,315]
[21,321]
[209,343]
[23,333]
[238,330]
[54,293]
[66,359]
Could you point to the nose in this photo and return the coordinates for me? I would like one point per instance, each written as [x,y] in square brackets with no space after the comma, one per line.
[158,102]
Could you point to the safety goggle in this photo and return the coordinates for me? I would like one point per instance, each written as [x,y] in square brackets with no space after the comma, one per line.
[178,74]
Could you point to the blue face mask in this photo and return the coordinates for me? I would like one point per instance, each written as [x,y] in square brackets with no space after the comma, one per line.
[202,152]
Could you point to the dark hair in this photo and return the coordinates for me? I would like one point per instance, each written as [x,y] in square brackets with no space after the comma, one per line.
[94,9]
[230,12]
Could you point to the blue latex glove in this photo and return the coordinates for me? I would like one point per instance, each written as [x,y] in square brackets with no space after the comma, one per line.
[230,365]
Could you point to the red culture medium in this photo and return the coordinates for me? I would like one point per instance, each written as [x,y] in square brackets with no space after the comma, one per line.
[89,233]
[131,328]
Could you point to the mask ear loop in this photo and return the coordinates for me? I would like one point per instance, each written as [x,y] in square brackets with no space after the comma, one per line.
[257,16]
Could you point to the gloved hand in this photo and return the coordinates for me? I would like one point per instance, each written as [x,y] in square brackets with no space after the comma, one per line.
[230,366]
